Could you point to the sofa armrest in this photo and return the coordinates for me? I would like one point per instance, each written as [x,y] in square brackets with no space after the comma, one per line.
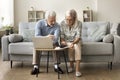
[116,49]
[5,44]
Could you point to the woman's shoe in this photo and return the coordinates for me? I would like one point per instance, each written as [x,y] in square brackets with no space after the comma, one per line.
[78,74]
[70,70]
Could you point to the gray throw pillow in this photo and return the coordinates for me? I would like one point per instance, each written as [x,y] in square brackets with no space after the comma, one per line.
[108,38]
[94,31]
[97,33]
[15,38]
[118,30]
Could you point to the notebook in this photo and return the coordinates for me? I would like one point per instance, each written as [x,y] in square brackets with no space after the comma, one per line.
[43,42]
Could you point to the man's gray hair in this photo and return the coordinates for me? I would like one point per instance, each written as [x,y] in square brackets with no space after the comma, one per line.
[50,14]
[71,13]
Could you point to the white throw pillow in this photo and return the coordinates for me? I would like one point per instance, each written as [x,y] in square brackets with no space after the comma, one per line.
[113,30]
[108,38]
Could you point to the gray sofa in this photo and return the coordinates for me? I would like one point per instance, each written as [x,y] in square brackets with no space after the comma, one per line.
[93,48]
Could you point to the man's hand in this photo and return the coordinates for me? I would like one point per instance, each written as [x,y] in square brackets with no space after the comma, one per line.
[63,43]
[51,36]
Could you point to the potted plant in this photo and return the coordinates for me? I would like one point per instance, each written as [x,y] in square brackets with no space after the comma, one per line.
[8,29]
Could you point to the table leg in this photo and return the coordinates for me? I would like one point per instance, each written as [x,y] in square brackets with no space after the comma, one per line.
[65,61]
[40,60]
[47,61]
[37,73]
[58,64]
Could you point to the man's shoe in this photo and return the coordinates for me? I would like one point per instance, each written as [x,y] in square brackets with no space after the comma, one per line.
[59,70]
[34,71]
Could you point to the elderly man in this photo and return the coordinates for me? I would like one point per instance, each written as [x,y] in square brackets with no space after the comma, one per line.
[47,27]
[71,37]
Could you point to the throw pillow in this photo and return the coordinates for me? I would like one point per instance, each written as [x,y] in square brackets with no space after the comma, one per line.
[28,34]
[97,33]
[114,28]
[108,38]
[118,30]
[15,38]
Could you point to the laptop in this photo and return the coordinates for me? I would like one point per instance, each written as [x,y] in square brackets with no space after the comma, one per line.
[43,42]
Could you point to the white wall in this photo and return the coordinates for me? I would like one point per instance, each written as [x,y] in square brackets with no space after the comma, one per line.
[108,10]
[60,6]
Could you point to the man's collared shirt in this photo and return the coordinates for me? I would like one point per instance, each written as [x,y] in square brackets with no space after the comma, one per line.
[43,29]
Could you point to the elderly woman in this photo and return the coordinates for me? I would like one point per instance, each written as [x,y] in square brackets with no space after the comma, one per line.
[71,37]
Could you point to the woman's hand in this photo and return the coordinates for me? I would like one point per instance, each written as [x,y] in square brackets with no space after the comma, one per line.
[72,45]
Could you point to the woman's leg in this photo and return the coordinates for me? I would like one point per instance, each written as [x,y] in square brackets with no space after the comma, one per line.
[77,48]
[71,64]
[75,53]
[78,73]
[78,66]
[71,56]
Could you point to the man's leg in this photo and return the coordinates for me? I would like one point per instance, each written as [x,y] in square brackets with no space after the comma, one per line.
[56,57]
[36,62]
[36,58]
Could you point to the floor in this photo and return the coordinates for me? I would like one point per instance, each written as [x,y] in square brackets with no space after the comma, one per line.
[90,71]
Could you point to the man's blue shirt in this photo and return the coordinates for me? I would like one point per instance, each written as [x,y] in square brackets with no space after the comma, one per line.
[43,29]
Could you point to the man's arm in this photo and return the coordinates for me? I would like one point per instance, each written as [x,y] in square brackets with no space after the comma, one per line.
[38,29]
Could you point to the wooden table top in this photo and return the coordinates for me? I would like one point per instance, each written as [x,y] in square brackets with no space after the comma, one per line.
[55,49]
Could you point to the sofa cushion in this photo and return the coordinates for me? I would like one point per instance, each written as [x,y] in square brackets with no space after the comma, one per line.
[94,31]
[114,28]
[97,48]
[118,29]
[28,34]
[108,38]
[15,38]
[25,48]
[27,30]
